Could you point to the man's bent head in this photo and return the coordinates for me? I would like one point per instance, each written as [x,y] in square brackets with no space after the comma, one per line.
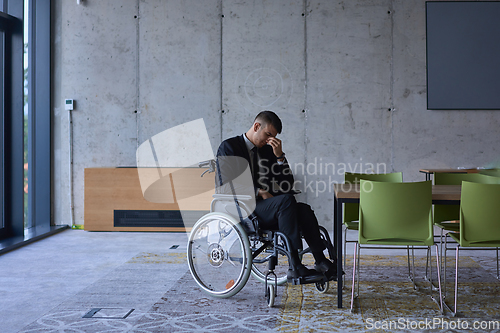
[269,117]
[265,126]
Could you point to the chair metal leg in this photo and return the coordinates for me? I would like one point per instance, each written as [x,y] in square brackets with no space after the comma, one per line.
[345,256]
[430,262]
[441,308]
[445,305]
[444,264]
[408,259]
[345,250]
[454,311]
[411,271]
[498,276]
[429,251]
[456,280]
[354,275]
[441,246]
[413,267]
[427,263]
[430,277]
[358,269]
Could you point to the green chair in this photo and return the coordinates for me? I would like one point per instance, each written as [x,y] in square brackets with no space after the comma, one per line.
[490,172]
[351,210]
[479,225]
[446,216]
[395,214]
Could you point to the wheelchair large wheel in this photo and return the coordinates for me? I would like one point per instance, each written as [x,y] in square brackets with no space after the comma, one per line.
[260,264]
[219,255]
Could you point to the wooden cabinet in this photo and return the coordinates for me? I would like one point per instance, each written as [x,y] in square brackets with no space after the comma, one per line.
[171,192]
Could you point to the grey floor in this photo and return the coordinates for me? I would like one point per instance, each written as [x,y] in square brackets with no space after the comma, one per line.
[74,270]
[50,273]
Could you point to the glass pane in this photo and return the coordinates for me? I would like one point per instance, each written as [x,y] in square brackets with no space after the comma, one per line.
[2,64]
[27,223]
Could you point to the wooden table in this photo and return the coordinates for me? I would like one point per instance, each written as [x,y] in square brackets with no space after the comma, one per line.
[346,193]
[429,172]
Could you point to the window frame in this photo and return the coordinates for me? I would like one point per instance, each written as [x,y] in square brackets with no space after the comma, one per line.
[39,115]
[12,118]
[39,121]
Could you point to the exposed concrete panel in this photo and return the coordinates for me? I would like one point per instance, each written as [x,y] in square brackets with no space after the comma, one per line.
[179,65]
[97,68]
[263,68]
[331,70]
[424,138]
[348,94]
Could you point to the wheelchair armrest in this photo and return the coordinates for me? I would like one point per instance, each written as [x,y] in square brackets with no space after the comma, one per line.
[231,197]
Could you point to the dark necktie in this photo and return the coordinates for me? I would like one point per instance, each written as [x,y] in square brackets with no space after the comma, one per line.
[255,165]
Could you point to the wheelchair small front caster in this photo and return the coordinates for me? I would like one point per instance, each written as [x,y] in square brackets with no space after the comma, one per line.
[270,295]
[322,287]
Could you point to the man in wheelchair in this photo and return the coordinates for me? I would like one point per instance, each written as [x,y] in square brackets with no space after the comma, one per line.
[276,207]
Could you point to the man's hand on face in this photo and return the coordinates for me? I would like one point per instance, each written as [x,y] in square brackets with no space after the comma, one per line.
[276,144]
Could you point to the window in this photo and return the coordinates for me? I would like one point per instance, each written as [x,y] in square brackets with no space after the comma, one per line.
[2,77]
[11,77]
[35,77]
[39,116]
[25,109]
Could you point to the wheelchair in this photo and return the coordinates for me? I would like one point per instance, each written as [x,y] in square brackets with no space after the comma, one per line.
[223,251]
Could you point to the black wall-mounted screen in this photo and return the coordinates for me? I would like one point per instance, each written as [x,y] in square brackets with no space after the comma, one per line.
[463,55]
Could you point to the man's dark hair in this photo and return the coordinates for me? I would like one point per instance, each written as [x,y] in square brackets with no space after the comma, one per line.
[269,117]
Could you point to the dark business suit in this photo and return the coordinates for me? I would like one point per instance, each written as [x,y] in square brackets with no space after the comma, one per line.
[280,212]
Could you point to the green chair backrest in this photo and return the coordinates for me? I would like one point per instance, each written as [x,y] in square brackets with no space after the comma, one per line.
[351,210]
[395,213]
[480,215]
[452,212]
[457,178]
[490,172]
[395,177]
[485,179]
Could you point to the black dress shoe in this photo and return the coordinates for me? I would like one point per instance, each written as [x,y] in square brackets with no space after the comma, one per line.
[328,268]
[325,266]
[303,273]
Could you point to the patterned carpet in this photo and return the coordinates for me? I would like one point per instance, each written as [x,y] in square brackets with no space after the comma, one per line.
[387,302]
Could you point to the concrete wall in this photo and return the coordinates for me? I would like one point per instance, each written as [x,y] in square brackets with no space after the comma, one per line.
[346,77]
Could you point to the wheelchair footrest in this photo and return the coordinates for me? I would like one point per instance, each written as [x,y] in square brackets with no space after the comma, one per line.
[306,279]
[312,279]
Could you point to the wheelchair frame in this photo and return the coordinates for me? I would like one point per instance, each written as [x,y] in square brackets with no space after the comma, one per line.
[212,243]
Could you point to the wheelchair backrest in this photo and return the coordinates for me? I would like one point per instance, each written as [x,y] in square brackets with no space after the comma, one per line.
[233,181]
[226,204]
